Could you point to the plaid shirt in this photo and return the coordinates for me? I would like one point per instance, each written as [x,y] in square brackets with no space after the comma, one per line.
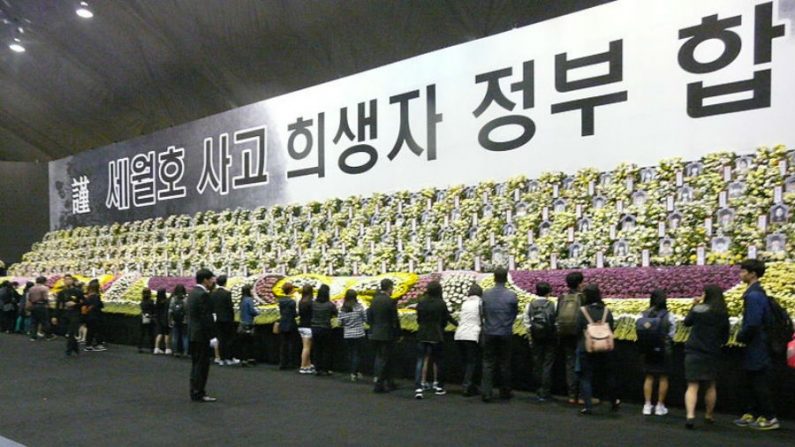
[353,322]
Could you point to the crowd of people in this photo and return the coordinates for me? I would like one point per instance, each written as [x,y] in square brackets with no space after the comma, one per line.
[202,323]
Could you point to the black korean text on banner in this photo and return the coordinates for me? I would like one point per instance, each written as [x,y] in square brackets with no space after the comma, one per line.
[432,119]
[759,85]
[367,129]
[494,94]
[218,161]
[563,65]
[307,135]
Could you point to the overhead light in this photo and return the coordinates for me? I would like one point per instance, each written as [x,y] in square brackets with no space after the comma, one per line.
[83,11]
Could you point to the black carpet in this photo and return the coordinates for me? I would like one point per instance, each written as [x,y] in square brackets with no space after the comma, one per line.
[120,397]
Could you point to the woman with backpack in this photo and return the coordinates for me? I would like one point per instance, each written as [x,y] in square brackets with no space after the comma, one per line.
[147,321]
[656,329]
[467,336]
[432,318]
[709,320]
[177,310]
[352,318]
[92,313]
[161,323]
[248,312]
[539,319]
[594,348]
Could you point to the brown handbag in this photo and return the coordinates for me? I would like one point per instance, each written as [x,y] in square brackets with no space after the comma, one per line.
[276,329]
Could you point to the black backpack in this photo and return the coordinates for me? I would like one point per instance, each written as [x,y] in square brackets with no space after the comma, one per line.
[779,328]
[652,329]
[178,311]
[541,325]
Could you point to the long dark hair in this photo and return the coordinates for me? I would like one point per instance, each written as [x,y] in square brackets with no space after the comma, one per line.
[350,300]
[658,300]
[713,297]
[306,294]
[245,291]
[323,294]
[179,291]
[93,287]
[146,295]
[434,290]
[592,295]
[161,296]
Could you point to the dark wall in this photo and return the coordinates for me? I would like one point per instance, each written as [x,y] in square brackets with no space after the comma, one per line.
[24,217]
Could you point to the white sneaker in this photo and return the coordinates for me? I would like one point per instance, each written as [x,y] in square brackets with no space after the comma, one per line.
[233,362]
[169,352]
[418,394]
[219,362]
[157,351]
[647,409]
[660,410]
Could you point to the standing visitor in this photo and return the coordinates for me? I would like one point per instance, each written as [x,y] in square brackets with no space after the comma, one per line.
[23,313]
[467,337]
[352,318]
[382,315]
[656,329]
[39,300]
[70,300]
[162,327]
[323,311]
[305,329]
[757,361]
[224,314]
[92,312]
[500,307]
[595,364]
[178,321]
[248,311]
[709,320]
[432,318]
[288,328]
[539,319]
[8,307]
[201,327]
[568,337]
[147,322]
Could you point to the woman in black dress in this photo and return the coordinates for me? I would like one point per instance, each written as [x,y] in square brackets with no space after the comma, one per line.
[709,320]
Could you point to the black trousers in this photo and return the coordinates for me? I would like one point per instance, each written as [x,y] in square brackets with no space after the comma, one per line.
[384,353]
[599,368]
[496,354]
[147,329]
[72,324]
[39,315]
[758,397]
[568,344]
[93,337]
[321,348]
[543,359]
[470,354]
[226,334]
[287,348]
[200,368]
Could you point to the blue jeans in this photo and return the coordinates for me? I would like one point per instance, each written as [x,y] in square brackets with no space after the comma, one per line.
[355,351]
[179,337]
[434,353]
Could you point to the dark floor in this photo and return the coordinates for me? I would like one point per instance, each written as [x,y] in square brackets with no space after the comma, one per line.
[120,397]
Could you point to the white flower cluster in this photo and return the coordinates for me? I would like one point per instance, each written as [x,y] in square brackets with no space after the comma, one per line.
[116,292]
[455,289]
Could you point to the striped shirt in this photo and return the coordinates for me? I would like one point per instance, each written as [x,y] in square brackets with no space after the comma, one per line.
[353,322]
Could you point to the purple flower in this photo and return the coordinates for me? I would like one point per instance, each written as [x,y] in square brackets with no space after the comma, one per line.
[636,282]
[169,282]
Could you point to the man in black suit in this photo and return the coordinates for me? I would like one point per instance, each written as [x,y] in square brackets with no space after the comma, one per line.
[224,315]
[384,330]
[201,328]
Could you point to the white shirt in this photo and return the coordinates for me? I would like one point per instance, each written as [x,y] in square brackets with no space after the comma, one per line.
[469,320]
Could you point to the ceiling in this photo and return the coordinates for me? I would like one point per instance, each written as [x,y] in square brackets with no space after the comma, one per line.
[139,66]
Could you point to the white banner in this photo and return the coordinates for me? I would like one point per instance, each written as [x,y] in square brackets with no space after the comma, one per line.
[628,81]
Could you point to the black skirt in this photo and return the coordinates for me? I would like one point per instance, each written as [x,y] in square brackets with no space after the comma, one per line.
[658,361]
[700,367]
